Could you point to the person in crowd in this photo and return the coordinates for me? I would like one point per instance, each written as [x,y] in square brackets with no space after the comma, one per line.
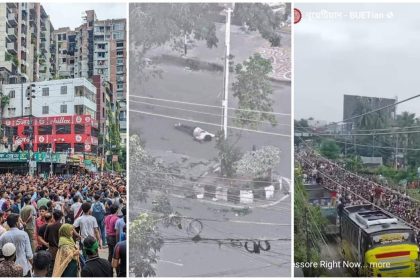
[120,224]
[111,234]
[67,258]
[42,201]
[51,236]
[20,240]
[41,262]
[119,259]
[16,206]
[86,224]
[28,216]
[94,266]
[8,267]
[2,228]
[42,243]
[98,211]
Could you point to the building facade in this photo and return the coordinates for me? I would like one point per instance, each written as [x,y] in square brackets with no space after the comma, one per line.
[97,48]
[51,98]
[25,43]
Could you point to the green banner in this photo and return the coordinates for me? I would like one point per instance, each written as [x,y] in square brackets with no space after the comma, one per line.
[13,157]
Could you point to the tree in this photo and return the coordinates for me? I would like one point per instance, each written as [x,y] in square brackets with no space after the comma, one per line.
[259,163]
[145,242]
[157,24]
[228,155]
[330,149]
[260,16]
[304,223]
[253,90]
[146,173]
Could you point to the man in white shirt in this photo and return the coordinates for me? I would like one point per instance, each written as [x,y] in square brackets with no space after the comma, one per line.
[75,207]
[196,132]
[87,224]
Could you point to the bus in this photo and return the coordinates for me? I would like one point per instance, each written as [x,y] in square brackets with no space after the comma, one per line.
[374,243]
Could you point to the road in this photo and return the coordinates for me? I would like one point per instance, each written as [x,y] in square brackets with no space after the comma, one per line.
[210,259]
[202,87]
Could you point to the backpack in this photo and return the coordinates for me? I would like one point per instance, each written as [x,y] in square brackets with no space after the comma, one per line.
[98,212]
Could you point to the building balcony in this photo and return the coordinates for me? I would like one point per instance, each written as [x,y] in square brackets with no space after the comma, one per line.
[11,19]
[11,33]
[12,48]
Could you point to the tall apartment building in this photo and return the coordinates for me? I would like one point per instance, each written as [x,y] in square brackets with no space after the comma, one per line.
[65,46]
[97,47]
[25,42]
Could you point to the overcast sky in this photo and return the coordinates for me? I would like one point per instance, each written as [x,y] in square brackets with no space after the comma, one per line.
[371,57]
[70,14]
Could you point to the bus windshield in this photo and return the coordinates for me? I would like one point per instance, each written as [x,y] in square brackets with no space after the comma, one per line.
[392,237]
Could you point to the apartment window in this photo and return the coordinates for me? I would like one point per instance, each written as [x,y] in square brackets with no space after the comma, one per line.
[45,110]
[27,130]
[118,26]
[94,132]
[120,86]
[79,129]
[44,129]
[62,147]
[59,37]
[63,109]
[118,36]
[119,53]
[79,147]
[12,111]
[64,60]
[63,90]
[103,113]
[45,92]
[63,129]
[12,94]
[64,36]
[101,54]
[120,68]
[120,44]
[103,96]
[120,60]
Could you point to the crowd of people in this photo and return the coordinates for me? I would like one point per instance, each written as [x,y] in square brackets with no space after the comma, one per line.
[61,226]
[353,189]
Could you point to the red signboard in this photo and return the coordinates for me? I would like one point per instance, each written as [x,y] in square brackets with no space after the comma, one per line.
[46,132]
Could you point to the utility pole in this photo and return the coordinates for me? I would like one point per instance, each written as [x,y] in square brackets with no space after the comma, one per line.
[373,144]
[103,151]
[226,80]
[396,151]
[30,95]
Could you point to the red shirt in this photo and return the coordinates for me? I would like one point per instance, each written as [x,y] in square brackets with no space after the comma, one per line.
[39,222]
[110,221]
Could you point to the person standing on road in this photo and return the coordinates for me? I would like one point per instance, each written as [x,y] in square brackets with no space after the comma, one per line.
[8,267]
[43,201]
[28,216]
[51,236]
[95,266]
[20,240]
[119,259]
[98,211]
[41,263]
[111,234]
[87,224]
[67,259]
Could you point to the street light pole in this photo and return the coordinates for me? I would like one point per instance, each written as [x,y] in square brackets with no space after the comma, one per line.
[226,80]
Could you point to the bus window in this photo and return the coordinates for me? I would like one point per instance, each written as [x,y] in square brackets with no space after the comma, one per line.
[392,237]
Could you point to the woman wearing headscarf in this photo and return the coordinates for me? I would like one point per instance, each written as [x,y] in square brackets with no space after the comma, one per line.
[67,259]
